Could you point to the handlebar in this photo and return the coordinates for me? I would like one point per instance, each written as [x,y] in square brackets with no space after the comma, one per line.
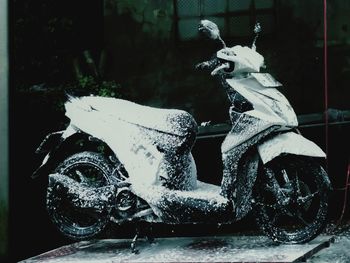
[246,59]
[222,61]
[219,68]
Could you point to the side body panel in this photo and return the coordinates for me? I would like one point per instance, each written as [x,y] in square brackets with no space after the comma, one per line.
[269,104]
[240,160]
[147,154]
[271,112]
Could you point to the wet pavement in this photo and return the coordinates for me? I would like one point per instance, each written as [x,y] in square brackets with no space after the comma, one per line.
[197,249]
[339,251]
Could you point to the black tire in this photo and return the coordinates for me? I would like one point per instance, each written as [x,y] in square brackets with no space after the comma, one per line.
[90,169]
[300,213]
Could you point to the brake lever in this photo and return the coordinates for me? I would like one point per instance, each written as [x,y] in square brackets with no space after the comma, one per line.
[202,65]
[221,67]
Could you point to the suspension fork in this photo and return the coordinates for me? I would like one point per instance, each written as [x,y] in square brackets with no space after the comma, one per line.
[275,187]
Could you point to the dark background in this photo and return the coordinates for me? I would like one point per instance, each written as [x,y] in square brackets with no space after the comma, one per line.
[139,53]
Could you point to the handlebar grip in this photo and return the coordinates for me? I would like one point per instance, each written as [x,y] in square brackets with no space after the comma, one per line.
[220,67]
[202,65]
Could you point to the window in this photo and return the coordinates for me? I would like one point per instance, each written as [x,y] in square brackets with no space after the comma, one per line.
[235,18]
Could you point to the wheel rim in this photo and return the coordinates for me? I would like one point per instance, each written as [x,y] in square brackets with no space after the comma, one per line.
[297,207]
[88,174]
[71,221]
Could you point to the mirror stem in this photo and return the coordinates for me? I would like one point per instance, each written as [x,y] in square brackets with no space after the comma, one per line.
[222,42]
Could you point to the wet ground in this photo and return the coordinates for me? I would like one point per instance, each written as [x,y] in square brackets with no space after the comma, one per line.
[199,249]
[339,251]
[333,246]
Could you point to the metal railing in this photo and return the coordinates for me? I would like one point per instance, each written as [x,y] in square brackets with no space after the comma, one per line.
[335,117]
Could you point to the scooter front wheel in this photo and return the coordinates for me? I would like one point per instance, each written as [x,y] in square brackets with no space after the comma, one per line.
[291,199]
[89,169]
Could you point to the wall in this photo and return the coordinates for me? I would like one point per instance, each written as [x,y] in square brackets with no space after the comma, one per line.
[154,68]
[3,127]
[339,23]
[311,13]
[337,17]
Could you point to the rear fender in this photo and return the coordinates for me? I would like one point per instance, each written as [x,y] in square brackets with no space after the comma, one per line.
[50,142]
[59,145]
[51,145]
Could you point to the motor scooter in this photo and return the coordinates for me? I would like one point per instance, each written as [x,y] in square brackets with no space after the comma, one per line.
[120,161]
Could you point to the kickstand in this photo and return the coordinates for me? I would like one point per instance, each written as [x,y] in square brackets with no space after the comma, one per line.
[149,237]
[133,242]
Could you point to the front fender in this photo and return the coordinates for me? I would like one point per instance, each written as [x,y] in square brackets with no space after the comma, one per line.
[289,142]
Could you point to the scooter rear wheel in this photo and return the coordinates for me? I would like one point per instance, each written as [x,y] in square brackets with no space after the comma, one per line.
[90,169]
[291,199]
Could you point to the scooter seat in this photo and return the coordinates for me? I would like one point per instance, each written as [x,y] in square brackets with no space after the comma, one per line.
[171,121]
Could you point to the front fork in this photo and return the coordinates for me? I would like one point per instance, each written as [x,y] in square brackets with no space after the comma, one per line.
[274,187]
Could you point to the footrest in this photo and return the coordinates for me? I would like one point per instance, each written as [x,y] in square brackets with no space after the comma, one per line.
[204,204]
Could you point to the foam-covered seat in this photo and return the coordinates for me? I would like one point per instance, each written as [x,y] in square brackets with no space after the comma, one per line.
[171,121]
